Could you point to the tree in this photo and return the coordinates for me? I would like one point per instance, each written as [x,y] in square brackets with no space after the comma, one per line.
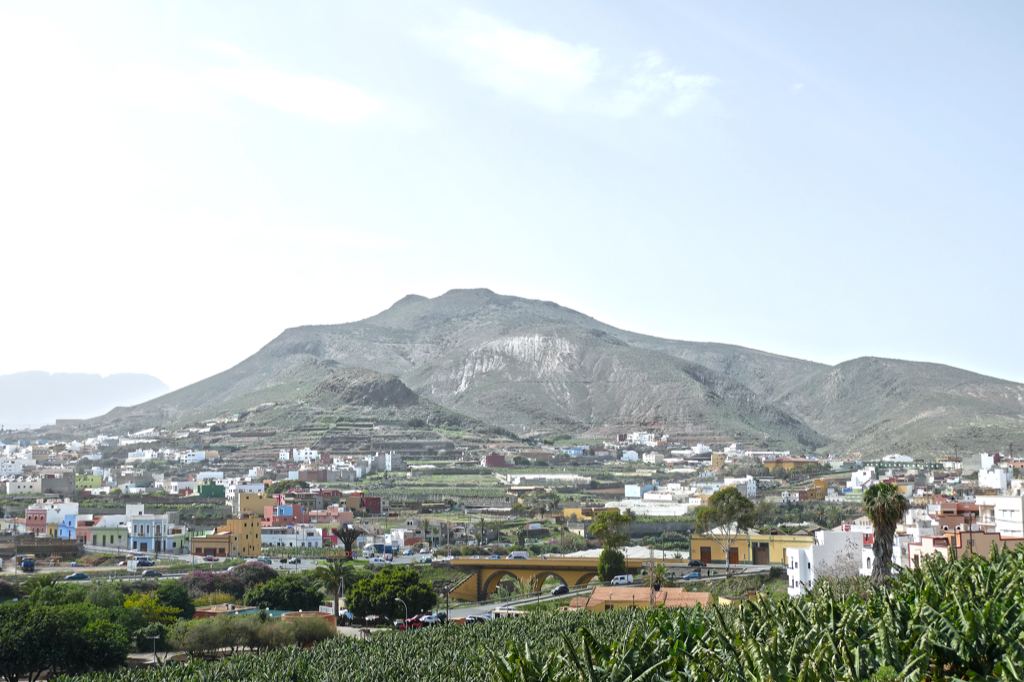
[252,572]
[289,592]
[520,461]
[150,608]
[199,583]
[332,577]
[727,515]
[610,564]
[174,594]
[284,486]
[347,535]
[659,576]
[377,595]
[886,506]
[610,528]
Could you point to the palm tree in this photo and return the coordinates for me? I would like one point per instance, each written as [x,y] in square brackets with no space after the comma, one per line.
[886,507]
[659,576]
[331,576]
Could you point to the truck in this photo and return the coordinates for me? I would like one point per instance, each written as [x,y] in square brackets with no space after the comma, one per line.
[27,563]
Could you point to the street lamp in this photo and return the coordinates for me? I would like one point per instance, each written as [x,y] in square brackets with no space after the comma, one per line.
[406,609]
[154,638]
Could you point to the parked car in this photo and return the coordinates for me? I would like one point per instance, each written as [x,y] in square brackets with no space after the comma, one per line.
[494,556]
[412,623]
[122,563]
[692,576]
[478,619]
[696,562]
[264,560]
[209,557]
[425,559]
[143,562]
[282,560]
[561,589]
[408,552]
[624,579]
[294,561]
[378,561]
[425,550]
[150,573]
[76,576]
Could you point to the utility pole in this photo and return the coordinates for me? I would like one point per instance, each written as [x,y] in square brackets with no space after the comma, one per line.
[650,577]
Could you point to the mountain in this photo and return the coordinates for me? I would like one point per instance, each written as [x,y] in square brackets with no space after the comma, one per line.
[534,367]
[31,399]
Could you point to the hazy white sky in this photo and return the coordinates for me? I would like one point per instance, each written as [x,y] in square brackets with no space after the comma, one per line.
[180,182]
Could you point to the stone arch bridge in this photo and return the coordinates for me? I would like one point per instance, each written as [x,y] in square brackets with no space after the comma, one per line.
[487,573]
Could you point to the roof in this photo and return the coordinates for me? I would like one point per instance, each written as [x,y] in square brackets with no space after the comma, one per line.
[669,597]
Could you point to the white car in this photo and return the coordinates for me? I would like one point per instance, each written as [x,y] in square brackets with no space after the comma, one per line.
[378,561]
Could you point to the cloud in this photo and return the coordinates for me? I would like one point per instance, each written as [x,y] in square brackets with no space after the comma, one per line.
[653,83]
[521,64]
[309,96]
[555,75]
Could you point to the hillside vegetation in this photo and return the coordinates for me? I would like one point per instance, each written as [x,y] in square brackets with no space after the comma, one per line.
[536,368]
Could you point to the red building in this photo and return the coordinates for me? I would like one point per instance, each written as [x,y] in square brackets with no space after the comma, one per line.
[493,460]
[35,521]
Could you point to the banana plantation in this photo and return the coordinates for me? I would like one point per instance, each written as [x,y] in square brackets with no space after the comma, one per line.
[960,620]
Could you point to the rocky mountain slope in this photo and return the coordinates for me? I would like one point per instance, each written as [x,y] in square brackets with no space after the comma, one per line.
[535,367]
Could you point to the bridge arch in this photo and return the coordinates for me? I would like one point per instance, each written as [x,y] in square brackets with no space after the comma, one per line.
[585,579]
[491,584]
[537,582]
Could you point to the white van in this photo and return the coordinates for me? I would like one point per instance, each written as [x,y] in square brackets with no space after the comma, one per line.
[518,554]
[622,580]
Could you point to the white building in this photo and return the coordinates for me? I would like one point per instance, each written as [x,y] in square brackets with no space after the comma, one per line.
[746,485]
[701,449]
[630,456]
[655,458]
[901,459]
[996,478]
[642,438]
[859,479]
[1003,514]
[301,535]
[834,555]
[141,455]
[24,486]
[209,476]
[303,456]
[192,457]
[15,466]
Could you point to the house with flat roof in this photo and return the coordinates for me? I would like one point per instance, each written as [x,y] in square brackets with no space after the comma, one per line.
[610,598]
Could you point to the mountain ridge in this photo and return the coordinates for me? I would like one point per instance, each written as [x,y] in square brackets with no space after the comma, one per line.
[535,367]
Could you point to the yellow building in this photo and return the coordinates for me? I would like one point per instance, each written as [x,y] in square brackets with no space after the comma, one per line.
[238,537]
[251,504]
[749,548]
[582,513]
[717,460]
[790,463]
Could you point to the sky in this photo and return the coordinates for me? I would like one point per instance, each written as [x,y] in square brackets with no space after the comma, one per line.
[180,182]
